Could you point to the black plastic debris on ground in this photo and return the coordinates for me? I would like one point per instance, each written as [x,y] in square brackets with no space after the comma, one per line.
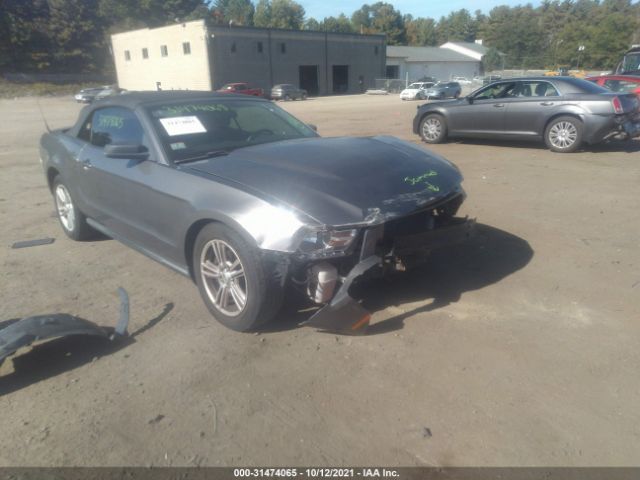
[24,332]
[33,243]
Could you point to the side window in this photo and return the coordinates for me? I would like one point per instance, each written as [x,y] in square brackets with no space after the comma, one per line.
[115,125]
[545,89]
[498,90]
[85,131]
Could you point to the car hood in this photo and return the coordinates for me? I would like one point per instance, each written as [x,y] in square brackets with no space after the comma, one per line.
[340,181]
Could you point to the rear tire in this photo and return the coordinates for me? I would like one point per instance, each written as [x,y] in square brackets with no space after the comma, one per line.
[232,281]
[72,220]
[287,98]
[564,134]
[433,128]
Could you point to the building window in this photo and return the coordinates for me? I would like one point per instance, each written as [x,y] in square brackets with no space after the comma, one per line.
[283,47]
[233,47]
[186,48]
[145,53]
[164,51]
[259,47]
[127,55]
[375,50]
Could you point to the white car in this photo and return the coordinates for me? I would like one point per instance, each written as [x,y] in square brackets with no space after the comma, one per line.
[415,91]
[462,80]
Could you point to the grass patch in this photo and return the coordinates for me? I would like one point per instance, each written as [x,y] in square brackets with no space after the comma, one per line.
[40,89]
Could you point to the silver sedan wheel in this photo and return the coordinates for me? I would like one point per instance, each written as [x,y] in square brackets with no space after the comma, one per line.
[64,205]
[223,277]
[563,135]
[432,128]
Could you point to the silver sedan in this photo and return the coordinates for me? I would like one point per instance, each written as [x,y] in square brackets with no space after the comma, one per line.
[564,112]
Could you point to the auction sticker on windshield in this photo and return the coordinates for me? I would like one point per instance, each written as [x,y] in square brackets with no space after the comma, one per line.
[182,125]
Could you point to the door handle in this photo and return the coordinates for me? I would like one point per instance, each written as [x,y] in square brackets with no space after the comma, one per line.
[546,104]
[498,105]
[86,164]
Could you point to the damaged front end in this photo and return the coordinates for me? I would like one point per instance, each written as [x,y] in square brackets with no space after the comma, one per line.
[384,244]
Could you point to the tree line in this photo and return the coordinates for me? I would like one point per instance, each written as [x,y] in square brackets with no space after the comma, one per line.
[73,36]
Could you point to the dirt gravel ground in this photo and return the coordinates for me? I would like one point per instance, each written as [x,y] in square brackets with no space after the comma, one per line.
[520,348]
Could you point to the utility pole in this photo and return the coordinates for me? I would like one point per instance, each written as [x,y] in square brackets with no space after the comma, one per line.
[580,50]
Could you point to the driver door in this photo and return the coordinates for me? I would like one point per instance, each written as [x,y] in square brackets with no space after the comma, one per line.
[484,115]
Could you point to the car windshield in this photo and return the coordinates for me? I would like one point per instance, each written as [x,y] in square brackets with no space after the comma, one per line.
[415,86]
[196,129]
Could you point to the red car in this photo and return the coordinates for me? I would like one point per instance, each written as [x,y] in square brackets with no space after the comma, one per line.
[242,88]
[618,83]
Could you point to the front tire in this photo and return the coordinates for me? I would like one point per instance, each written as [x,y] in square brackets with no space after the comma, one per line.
[433,128]
[564,134]
[232,280]
[72,220]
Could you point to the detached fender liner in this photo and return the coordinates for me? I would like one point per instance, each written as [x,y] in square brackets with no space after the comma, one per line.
[41,327]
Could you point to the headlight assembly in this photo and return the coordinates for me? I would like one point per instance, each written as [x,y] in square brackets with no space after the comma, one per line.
[326,242]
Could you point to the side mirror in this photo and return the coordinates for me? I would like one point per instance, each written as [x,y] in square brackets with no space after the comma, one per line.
[132,152]
[312,127]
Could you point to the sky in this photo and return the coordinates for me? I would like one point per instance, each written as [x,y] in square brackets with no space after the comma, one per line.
[319,9]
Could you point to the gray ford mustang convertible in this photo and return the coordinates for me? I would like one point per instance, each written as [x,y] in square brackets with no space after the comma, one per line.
[247,200]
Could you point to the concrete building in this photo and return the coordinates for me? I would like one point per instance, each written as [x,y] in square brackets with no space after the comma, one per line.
[196,57]
[440,63]
[474,50]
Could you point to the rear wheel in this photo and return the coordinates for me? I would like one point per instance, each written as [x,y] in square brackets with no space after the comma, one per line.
[433,128]
[287,98]
[72,220]
[564,134]
[231,279]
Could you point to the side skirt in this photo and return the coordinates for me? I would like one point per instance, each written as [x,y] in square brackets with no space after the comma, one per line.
[104,230]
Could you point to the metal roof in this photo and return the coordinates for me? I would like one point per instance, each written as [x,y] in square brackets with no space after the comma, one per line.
[427,54]
[476,47]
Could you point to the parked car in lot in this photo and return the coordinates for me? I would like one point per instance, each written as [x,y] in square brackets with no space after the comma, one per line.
[461,80]
[618,83]
[443,90]
[490,79]
[88,95]
[564,111]
[242,89]
[416,91]
[287,91]
[247,200]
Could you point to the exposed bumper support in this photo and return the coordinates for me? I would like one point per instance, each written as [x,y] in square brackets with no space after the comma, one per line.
[344,314]
[458,231]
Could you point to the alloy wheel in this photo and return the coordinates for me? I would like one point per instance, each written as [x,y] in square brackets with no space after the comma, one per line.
[64,205]
[223,277]
[431,128]
[563,135]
